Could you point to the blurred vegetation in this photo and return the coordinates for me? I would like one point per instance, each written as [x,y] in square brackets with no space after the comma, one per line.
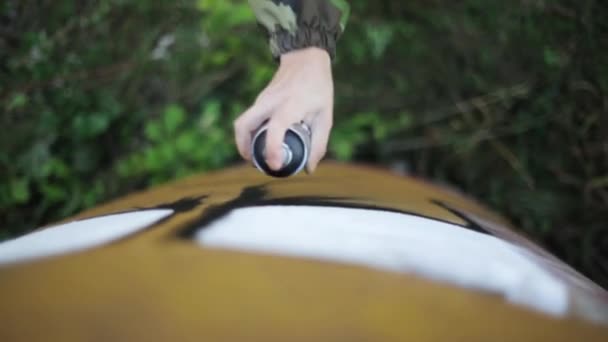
[506,100]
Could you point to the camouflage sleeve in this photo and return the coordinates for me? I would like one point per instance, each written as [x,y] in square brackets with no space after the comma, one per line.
[297,24]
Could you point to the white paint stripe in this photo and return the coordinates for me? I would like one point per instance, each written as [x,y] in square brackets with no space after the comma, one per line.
[393,242]
[78,235]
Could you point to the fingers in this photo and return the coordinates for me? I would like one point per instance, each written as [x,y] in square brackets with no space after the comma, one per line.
[274,142]
[251,119]
[320,130]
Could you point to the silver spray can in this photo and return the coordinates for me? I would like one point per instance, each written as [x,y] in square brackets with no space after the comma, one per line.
[296,150]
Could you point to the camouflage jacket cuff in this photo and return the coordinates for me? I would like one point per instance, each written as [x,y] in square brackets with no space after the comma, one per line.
[298,24]
[282,41]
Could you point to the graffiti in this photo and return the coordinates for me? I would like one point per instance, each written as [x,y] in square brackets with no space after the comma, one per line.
[236,246]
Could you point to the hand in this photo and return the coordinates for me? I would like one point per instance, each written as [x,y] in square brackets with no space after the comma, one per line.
[301,90]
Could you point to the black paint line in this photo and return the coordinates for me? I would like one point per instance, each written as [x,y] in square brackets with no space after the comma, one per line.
[251,194]
[255,196]
[472,225]
[340,203]
[182,205]
[179,206]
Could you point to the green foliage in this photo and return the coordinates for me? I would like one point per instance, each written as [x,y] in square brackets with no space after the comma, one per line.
[177,148]
[506,100]
[143,104]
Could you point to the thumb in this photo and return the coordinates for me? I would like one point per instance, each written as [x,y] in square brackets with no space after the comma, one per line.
[275,134]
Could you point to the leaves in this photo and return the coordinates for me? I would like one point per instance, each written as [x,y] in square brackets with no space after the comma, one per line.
[19,191]
[174,117]
[178,147]
[379,35]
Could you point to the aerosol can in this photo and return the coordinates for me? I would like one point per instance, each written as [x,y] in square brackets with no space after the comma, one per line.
[296,150]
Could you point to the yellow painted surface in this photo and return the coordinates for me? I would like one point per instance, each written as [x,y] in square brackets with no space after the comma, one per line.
[154,286]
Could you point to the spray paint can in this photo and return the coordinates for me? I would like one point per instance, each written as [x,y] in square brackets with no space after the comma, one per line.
[296,150]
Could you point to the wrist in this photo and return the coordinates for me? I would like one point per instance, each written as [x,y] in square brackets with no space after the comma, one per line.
[306,56]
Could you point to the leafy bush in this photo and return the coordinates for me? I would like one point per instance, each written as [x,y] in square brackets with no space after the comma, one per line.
[506,100]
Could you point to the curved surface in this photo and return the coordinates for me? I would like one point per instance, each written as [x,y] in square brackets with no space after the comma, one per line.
[393,242]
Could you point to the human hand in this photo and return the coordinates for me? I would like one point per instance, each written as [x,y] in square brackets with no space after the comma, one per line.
[301,90]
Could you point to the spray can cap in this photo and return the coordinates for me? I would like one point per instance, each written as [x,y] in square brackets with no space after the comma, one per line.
[295,151]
